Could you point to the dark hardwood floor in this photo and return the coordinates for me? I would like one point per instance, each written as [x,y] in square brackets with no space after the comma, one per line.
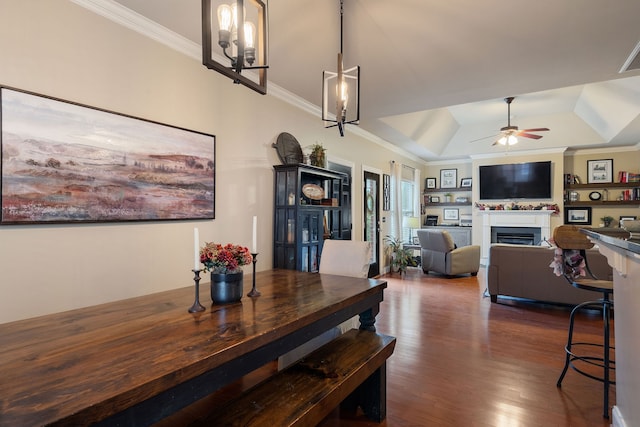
[462,361]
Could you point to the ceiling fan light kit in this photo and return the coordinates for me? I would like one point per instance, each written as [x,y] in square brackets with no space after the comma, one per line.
[509,134]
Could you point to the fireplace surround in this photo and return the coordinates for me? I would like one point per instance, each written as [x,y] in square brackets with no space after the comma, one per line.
[518,220]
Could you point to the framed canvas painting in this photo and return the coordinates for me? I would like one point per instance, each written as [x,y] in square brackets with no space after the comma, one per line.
[64,162]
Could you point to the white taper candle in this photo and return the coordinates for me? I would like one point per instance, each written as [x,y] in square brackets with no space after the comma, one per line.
[196,249]
[254,241]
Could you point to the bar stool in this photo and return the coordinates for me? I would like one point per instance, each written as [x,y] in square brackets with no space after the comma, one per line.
[574,245]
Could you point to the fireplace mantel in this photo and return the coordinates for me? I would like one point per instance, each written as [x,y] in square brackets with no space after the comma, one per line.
[512,218]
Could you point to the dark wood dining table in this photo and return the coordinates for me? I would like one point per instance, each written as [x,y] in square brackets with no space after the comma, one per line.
[136,361]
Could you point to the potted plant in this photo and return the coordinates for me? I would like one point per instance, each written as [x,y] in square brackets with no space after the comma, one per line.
[225,264]
[447,197]
[401,258]
[607,220]
[318,156]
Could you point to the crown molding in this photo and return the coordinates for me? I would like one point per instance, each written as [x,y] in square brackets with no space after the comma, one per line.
[132,20]
[586,151]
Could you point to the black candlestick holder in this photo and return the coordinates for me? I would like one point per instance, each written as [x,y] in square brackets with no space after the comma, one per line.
[196,307]
[254,292]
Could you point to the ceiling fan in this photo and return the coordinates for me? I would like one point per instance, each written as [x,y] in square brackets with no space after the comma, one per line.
[508,134]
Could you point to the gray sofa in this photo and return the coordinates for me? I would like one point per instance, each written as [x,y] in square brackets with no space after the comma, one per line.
[523,271]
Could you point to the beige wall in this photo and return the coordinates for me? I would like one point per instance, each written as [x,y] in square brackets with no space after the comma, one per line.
[60,49]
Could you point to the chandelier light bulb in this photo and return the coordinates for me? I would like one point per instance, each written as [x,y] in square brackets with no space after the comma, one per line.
[249,35]
[224,17]
[224,25]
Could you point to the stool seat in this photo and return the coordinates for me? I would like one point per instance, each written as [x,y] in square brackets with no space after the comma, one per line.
[573,242]
[595,285]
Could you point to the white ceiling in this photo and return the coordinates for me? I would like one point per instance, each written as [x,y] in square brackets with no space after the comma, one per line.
[434,73]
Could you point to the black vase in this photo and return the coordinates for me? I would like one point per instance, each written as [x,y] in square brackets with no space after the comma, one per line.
[226,287]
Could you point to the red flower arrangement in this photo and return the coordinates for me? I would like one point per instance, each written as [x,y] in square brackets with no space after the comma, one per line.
[224,259]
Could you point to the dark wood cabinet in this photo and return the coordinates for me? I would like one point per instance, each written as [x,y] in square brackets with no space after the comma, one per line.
[308,204]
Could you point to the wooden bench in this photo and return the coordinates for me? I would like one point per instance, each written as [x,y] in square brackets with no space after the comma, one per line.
[350,370]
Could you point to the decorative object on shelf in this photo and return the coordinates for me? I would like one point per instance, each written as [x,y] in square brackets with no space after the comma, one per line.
[450,214]
[338,89]
[248,48]
[606,220]
[318,156]
[313,191]
[465,183]
[254,292]
[448,178]
[574,196]
[516,207]
[462,200]
[599,171]
[196,307]
[225,264]
[288,149]
[430,183]
[594,195]
[447,197]
[401,258]
[434,199]
[581,215]
[86,165]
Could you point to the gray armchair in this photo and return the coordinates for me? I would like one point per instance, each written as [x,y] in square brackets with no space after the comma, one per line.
[439,254]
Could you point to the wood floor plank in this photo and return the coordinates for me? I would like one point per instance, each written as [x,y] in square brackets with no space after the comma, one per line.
[462,361]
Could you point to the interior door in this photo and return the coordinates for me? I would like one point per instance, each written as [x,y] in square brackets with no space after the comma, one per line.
[372,219]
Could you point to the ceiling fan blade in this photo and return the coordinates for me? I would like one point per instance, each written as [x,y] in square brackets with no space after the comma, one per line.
[529,135]
[535,130]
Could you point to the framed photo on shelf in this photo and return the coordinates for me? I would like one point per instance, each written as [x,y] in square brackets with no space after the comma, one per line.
[434,199]
[599,171]
[577,216]
[430,183]
[450,214]
[465,183]
[448,178]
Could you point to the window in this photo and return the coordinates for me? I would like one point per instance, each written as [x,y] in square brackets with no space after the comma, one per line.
[408,200]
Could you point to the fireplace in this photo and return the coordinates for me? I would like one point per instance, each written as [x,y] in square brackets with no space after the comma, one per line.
[516,235]
[516,220]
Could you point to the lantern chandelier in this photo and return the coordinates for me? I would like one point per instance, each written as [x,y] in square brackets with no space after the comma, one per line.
[239,44]
[341,89]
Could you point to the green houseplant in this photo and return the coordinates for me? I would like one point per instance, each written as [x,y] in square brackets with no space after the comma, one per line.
[401,258]
[318,155]
[607,220]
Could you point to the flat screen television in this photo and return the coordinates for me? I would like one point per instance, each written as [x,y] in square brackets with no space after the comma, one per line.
[515,181]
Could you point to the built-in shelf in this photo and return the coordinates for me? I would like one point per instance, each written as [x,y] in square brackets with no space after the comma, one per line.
[435,205]
[603,186]
[446,190]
